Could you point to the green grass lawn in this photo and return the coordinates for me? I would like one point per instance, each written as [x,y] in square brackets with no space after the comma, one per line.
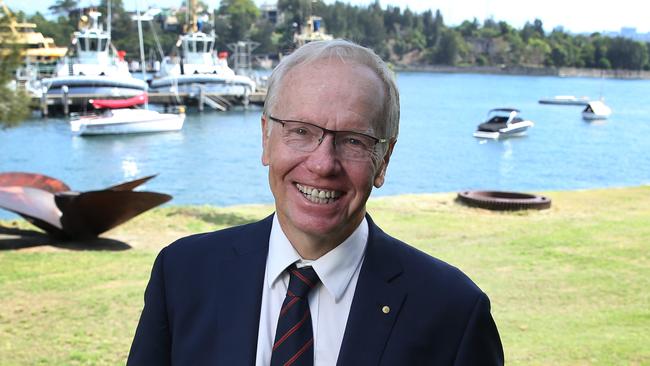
[569,285]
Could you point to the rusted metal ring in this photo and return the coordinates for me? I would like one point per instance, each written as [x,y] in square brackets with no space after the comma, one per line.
[504,201]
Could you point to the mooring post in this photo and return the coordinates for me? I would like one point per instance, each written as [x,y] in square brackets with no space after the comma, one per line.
[201,98]
[44,102]
[247,96]
[66,106]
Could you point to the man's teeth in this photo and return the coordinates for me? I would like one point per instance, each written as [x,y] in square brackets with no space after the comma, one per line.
[318,195]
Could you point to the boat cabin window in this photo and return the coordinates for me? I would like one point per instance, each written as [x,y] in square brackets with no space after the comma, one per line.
[82,43]
[208,46]
[93,44]
[103,42]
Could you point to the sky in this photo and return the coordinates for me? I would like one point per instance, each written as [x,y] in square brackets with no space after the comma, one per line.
[576,16]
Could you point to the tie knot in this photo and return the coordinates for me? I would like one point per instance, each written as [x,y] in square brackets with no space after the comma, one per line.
[301,280]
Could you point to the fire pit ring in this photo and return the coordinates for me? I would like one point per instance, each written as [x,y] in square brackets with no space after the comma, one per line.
[504,201]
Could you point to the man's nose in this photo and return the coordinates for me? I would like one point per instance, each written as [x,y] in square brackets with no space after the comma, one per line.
[324,161]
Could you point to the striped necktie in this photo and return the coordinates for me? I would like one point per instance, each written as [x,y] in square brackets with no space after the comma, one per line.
[294,338]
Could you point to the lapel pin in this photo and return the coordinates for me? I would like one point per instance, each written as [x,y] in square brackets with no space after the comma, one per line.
[385,309]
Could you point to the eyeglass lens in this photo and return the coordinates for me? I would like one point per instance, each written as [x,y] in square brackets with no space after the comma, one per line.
[306,137]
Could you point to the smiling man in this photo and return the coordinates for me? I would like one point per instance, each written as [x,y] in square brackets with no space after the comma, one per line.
[317,283]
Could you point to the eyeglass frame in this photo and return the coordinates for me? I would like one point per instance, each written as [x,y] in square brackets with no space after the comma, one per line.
[332,132]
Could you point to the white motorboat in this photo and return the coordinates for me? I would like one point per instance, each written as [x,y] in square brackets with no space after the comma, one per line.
[125,120]
[565,100]
[503,122]
[95,71]
[596,110]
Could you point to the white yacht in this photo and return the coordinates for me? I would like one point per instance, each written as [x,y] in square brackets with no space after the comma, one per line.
[503,122]
[198,67]
[116,117]
[95,71]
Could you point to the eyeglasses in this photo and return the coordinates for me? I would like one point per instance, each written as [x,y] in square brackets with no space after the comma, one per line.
[306,137]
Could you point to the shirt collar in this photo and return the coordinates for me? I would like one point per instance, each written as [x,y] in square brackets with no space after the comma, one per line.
[335,269]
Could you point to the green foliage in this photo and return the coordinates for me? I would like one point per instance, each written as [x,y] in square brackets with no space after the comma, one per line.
[240,15]
[15,104]
[627,54]
[14,107]
[392,32]
[451,48]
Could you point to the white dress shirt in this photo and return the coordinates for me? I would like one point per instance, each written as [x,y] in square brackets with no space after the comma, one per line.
[329,303]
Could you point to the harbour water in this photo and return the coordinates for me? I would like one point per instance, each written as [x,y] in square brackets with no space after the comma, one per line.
[215,159]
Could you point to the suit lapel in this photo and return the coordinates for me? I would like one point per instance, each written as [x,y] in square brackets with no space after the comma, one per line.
[376,303]
[238,308]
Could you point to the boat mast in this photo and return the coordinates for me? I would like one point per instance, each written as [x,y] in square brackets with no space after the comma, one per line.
[193,18]
[108,17]
[143,67]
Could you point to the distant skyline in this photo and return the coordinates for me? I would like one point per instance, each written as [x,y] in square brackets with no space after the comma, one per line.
[576,16]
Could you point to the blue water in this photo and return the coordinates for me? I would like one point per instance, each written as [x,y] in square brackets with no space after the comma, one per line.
[216,158]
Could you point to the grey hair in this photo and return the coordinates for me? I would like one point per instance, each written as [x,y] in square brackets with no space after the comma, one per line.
[388,125]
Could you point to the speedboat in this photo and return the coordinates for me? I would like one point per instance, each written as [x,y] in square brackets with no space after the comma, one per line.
[95,71]
[502,122]
[123,120]
[596,110]
[565,100]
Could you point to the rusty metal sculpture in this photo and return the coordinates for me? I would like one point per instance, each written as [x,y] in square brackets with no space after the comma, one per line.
[49,204]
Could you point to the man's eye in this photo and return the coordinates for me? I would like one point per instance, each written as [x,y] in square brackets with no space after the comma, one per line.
[354,142]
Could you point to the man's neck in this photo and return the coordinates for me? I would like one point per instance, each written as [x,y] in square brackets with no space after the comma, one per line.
[311,246]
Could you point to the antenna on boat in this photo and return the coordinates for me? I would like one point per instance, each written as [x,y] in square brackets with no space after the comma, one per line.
[143,66]
[108,17]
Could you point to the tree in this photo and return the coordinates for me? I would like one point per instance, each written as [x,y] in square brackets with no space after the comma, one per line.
[64,7]
[625,53]
[433,27]
[241,15]
[15,104]
[450,49]
[536,51]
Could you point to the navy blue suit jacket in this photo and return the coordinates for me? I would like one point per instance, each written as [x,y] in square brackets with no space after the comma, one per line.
[202,306]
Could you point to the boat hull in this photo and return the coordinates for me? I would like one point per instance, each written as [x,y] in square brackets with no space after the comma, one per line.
[212,84]
[514,130]
[94,85]
[152,122]
[566,100]
[589,116]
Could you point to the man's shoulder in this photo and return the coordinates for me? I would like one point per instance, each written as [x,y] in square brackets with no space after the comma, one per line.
[427,271]
[224,242]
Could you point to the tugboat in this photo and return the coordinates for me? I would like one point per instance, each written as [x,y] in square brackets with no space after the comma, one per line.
[95,73]
[502,122]
[198,70]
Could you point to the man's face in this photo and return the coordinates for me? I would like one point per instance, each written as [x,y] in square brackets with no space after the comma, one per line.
[335,96]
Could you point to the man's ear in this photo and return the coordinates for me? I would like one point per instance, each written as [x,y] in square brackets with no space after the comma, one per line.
[265,142]
[381,170]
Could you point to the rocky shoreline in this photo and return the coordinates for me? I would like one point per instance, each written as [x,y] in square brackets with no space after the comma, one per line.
[526,70]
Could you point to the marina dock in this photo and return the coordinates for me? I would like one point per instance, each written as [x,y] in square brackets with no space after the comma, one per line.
[66,103]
